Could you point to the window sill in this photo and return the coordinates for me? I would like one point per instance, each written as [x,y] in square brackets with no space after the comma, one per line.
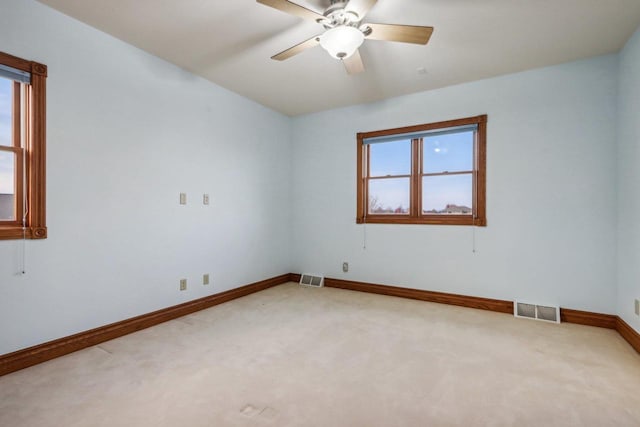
[434,220]
[17,233]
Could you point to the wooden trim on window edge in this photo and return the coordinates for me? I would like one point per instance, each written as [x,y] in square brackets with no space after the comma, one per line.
[480,217]
[35,151]
[424,219]
[426,127]
[586,318]
[23,65]
[20,152]
[21,359]
[360,180]
[416,179]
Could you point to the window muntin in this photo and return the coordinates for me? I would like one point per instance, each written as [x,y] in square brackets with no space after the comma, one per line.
[442,183]
[22,148]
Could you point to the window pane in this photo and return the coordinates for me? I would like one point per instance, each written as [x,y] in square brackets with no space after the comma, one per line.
[389,196]
[7,186]
[448,153]
[390,158]
[5,111]
[447,194]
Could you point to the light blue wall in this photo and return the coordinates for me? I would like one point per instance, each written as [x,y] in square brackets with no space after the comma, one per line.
[551,204]
[629,181]
[127,132]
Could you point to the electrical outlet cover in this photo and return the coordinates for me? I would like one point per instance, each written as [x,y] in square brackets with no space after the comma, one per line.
[205,279]
[638,307]
[183,284]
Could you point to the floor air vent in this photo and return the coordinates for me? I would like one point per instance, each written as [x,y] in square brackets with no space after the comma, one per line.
[311,280]
[537,312]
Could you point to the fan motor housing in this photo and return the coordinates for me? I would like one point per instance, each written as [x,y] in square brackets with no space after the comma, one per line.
[336,14]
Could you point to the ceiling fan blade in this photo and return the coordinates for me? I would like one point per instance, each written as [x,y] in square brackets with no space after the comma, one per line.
[308,44]
[293,9]
[354,64]
[400,33]
[360,7]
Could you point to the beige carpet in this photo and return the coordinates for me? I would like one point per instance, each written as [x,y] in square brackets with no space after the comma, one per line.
[293,356]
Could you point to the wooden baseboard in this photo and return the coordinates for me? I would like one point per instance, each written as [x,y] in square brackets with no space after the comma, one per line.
[40,353]
[439,297]
[608,321]
[294,277]
[628,333]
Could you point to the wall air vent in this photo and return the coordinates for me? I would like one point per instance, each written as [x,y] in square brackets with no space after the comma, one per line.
[312,280]
[537,312]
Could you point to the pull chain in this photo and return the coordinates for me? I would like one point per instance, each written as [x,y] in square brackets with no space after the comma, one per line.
[473,248]
[364,236]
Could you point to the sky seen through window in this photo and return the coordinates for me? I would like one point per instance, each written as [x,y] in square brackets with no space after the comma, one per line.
[441,153]
[6,158]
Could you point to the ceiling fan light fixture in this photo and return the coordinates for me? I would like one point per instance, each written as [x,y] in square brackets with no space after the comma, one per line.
[341,42]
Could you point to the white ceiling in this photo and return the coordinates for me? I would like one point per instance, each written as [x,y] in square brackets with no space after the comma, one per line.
[230,42]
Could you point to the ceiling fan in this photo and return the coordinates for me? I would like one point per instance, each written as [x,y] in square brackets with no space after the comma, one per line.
[345,32]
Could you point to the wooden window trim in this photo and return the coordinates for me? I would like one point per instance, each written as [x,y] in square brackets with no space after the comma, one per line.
[35,123]
[415,216]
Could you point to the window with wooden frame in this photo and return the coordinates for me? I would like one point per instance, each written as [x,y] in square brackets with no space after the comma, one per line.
[427,174]
[22,148]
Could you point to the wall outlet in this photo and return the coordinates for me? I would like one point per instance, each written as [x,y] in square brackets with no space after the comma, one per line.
[638,307]
[205,199]
[183,284]
[345,267]
[183,198]
[205,279]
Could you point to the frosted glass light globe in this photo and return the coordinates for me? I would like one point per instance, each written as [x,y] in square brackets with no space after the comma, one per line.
[342,42]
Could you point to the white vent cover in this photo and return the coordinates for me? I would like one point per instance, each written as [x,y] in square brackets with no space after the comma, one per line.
[537,312]
[312,280]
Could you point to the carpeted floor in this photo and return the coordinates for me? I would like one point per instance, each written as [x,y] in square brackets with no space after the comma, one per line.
[295,356]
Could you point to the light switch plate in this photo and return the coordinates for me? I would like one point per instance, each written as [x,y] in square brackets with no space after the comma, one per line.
[183,198]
